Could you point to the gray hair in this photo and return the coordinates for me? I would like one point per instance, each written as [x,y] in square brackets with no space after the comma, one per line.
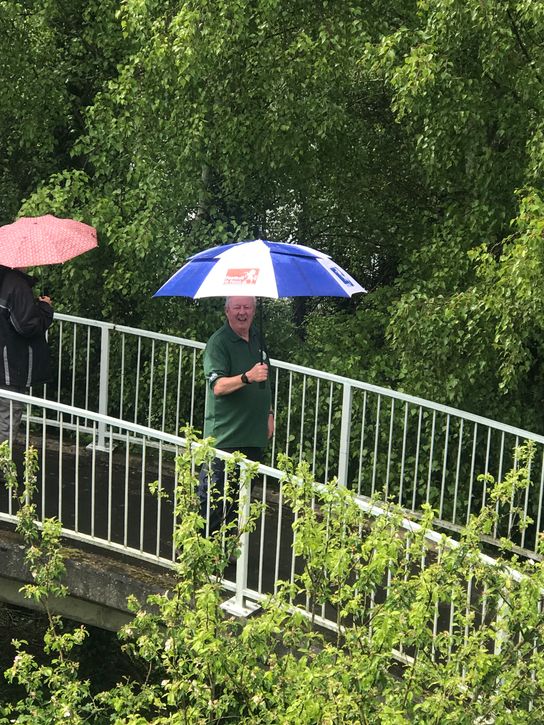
[228,299]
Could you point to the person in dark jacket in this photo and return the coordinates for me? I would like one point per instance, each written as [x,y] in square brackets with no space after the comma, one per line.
[24,350]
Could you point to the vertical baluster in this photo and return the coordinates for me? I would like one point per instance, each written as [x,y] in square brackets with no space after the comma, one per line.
[193,386]
[178,388]
[142,493]
[302,410]
[126,489]
[165,386]
[388,466]
[74,357]
[137,380]
[289,399]
[499,479]
[104,382]
[431,456]
[345,434]
[238,604]
[110,485]
[444,468]
[262,535]
[376,441]
[151,383]
[93,477]
[329,430]
[59,364]
[76,477]
[276,416]
[316,418]
[512,497]
[472,466]
[526,502]
[122,381]
[540,501]
[416,461]
[458,469]
[403,454]
[87,369]
[60,462]
[44,464]
[278,540]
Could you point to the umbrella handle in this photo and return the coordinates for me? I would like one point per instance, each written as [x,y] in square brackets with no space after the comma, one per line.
[261,384]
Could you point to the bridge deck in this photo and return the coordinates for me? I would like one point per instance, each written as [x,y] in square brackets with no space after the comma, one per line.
[104,498]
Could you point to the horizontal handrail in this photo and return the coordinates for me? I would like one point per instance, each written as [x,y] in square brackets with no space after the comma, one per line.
[322,375]
[369,437]
[103,500]
[374,509]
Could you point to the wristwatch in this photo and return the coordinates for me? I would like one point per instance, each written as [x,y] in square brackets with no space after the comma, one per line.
[245,379]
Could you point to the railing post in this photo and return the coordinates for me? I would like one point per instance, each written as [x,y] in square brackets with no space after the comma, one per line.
[103,389]
[238,605]
[345,434]
[501,626]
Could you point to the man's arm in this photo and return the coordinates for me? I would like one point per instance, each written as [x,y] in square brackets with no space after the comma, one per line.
[226,385]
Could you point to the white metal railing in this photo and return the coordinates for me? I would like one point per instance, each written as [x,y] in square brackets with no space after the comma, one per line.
[375,440]
[101,496]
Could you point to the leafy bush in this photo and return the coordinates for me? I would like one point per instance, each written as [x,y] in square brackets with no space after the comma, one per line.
[426,634]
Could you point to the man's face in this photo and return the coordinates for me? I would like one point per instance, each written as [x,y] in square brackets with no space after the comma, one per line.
[240,312]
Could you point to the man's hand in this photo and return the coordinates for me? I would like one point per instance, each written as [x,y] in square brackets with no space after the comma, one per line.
[45,298]
[258,373]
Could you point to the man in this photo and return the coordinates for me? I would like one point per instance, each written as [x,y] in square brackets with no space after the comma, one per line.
[23,347]
[239,414]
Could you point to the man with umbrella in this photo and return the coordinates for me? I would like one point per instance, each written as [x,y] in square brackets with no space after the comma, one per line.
[260,268]
[239,414]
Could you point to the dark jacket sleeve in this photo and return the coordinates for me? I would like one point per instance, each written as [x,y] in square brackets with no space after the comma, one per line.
[28,316]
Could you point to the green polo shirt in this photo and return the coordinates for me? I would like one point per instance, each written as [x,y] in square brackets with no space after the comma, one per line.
[239,419]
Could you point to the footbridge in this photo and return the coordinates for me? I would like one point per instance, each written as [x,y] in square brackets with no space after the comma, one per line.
[111,423]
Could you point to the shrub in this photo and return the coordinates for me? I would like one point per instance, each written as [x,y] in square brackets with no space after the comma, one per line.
[425,634]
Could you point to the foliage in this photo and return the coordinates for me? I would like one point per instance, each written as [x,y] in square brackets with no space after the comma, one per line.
[389,592]
[350,342]
[407,141]
[466,80]
[33,103]
[204,126]
[53,689]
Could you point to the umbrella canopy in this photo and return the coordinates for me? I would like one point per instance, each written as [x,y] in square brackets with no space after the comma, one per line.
[33,241]
[260,268]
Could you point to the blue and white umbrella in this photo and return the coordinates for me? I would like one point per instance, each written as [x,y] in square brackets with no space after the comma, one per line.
[260,269]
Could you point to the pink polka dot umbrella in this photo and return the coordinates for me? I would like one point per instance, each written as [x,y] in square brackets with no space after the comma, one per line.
[33,241]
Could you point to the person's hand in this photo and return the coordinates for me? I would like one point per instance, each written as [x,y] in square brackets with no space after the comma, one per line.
[45,298]
[270,425]
[258,373]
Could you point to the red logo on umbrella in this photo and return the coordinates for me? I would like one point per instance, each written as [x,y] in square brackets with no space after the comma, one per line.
[242,276]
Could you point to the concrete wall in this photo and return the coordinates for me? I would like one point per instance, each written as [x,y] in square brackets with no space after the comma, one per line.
[99,584]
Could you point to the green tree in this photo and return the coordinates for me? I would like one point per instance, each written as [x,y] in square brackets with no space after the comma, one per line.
[466,80]
[231,121]
[405,140]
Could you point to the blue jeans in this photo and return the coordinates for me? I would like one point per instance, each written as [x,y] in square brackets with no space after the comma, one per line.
[221,509]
